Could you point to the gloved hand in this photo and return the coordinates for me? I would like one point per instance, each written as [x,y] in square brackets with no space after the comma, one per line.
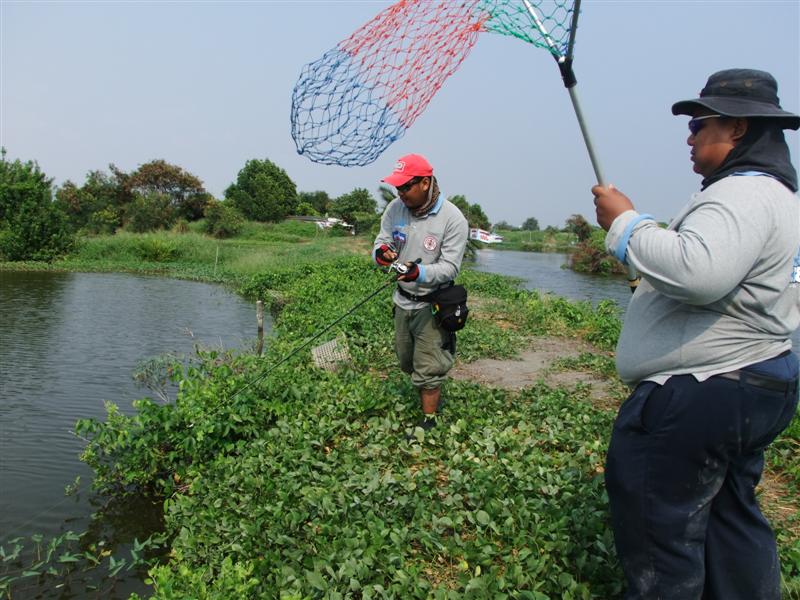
[385,256]
[411,274]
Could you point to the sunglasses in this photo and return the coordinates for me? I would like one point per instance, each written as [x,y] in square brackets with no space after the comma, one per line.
[696,124]
[408,185]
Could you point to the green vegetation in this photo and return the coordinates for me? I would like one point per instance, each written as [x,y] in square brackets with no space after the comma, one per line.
[31,226]
[192,255]
[304,483]
[263,192]
[590,256]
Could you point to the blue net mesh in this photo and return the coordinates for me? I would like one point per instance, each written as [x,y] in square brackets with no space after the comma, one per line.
[361,96]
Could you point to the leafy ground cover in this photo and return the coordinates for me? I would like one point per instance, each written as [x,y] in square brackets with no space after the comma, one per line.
[298,483]
[304,483]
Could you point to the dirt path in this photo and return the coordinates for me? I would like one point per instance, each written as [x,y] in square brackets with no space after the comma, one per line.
[537,364]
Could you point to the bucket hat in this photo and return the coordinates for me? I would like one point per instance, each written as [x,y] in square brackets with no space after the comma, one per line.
[407,167]
[740,93]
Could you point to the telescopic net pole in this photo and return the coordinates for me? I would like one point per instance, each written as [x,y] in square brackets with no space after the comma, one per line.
[570,82]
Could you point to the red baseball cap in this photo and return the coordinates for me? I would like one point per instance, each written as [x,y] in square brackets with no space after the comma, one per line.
[408,167]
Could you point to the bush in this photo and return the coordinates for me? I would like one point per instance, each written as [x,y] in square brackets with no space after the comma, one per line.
[150,212]
[153,249]
[304,209]
[32,227]
[365,222]
[590,256]
[222,220]
[104,221]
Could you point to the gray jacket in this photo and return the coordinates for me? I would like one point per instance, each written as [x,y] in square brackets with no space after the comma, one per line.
[439,239]
[720,287]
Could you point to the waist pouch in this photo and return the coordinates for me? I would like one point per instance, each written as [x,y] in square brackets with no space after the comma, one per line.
[448,304]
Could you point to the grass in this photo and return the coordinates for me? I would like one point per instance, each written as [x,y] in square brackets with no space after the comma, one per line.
[193,255]
[536,241]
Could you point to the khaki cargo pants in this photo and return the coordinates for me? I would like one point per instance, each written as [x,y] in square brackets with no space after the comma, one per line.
[418,341]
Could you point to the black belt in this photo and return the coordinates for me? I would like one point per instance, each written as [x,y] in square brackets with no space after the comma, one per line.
[414,297]
[760,381]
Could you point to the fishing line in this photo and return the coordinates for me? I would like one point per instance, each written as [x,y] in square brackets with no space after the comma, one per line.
[398,267]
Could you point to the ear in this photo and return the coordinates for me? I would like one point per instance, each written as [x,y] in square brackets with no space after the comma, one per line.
[425,183]
[739,129]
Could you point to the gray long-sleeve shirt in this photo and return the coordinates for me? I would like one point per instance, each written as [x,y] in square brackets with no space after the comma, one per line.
[720,287]
[439,239]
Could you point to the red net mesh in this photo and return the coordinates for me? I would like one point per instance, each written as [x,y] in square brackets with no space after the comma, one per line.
[362,95]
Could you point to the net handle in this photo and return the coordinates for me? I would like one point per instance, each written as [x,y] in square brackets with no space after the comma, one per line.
[564,62]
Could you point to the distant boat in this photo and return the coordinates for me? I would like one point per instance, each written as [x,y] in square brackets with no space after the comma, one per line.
[487,237]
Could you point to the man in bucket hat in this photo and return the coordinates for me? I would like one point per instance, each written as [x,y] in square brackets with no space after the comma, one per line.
[420,224]
[706,343]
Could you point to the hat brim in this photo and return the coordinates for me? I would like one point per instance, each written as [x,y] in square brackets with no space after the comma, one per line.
[737,107]
[397,179]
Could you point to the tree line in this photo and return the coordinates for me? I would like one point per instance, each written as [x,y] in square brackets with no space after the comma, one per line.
[40,221]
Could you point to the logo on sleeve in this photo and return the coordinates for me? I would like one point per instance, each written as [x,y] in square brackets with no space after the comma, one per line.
[430,243]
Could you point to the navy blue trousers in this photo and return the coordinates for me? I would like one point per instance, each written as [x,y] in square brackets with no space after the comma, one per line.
[681,472]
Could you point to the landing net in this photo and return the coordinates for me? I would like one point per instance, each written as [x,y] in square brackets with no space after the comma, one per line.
[362,95]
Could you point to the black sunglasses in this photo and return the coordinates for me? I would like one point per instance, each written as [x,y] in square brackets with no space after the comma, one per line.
[696,124]
[408,185]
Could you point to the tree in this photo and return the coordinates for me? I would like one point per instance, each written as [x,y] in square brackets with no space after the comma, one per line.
[304,209]
[263,192]
[149,212]
[100,193]
[504,226]
[185,191]
[472,212]
[32,227]
[222,220]
[578,225]
[358,201]
[531,224]
[319,200]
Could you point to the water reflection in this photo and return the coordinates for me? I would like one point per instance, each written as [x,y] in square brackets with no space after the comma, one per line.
[69,342]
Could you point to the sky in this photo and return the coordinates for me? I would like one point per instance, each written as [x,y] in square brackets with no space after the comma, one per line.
[208,86]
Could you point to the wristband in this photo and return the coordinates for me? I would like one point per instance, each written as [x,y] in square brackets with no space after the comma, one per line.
[622,247]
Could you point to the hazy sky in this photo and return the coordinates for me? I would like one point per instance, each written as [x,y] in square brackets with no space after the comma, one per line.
[207,86]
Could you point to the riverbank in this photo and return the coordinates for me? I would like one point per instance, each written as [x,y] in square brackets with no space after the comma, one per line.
[198,257]
[303,483]
[536,241]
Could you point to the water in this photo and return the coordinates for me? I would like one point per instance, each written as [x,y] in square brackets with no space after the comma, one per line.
[69,342]
[544,272]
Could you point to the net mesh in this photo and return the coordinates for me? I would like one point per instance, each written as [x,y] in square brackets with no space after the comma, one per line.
[331,354]
[362,95]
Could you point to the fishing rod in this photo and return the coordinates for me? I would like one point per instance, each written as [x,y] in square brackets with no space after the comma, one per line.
[398,267]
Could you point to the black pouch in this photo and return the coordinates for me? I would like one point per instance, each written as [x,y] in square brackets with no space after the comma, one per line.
[449,306]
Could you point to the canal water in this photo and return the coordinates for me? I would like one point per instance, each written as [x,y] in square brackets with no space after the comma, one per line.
[68,343]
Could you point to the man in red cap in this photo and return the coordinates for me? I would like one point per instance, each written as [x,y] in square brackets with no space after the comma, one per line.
[429,234]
